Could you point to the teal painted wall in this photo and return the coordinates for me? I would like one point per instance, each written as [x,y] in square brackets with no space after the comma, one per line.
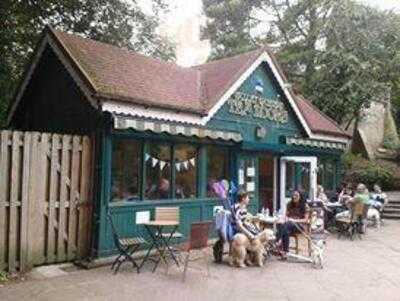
[246,125]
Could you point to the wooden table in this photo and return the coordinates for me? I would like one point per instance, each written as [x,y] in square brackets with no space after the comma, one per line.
[160,242]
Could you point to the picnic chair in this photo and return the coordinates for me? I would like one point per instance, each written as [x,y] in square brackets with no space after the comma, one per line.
[316,208]
[126,247]
[198,241]
[297,237]
[352,225]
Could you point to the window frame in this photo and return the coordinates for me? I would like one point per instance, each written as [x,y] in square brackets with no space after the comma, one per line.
[202,158]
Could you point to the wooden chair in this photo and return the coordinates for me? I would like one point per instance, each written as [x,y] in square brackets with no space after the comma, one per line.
[297,236]
[352,225]
[168,214]
[126,247]
[198,240]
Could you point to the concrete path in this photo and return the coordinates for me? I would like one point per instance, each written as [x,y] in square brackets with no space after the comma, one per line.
[355,270]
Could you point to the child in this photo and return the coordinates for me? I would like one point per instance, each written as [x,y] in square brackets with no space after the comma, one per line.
[241,215]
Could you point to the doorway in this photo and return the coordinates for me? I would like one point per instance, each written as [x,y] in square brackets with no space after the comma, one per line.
[267,181]
[297,173]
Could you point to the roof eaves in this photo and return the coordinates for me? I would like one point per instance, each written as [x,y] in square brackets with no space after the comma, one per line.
[340,131]
[64,48]
[146,103]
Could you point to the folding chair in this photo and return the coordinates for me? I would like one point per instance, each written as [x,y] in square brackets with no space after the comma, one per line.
[126,247]
[198,241]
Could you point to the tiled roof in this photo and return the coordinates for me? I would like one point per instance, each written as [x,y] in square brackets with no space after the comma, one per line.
[318,122]
[119,74]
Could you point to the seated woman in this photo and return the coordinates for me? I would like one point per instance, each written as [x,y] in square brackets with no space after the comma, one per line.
[297,212]
[377,198]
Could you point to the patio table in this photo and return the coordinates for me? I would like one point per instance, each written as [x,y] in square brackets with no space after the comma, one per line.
[159,242]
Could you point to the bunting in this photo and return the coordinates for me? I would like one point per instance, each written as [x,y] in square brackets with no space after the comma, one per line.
[179,166]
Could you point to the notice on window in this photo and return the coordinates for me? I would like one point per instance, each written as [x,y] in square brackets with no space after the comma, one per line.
[241,176]
[251,172]
[216,209]
[250,186]
[142,217]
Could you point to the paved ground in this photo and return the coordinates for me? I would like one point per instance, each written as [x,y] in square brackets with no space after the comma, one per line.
[367,270]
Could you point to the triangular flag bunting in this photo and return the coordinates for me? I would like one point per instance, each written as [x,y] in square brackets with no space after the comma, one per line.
[193,161]
[178,166]
[185,164]
[154,162]
[146,157]
[162,164]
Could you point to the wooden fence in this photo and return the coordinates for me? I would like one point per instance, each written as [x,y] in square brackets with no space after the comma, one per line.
[45,207]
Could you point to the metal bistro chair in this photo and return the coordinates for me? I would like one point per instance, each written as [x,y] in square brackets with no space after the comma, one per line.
[126,246]
[198,241]
[352,225]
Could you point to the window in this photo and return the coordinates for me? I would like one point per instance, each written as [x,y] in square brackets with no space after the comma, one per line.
[290,178]
[125,170]
[158,171]
[330,172]
[217,167]
[186,167]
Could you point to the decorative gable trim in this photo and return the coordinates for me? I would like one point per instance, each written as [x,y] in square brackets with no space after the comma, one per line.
[264,57]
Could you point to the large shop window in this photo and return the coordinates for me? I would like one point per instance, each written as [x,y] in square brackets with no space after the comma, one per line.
[217,167]
[185,166]
[158,171]
[125,170]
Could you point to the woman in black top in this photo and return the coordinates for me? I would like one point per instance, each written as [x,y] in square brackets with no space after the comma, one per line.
[297,212]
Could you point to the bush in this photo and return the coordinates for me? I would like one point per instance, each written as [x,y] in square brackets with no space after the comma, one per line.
[3,276]
[360,170]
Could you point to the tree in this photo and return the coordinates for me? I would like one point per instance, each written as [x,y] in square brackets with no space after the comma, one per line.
[339,53]
[359,61]
[117,22]
[228,27]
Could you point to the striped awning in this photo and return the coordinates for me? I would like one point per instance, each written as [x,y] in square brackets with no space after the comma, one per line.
[157,126]
[316,143]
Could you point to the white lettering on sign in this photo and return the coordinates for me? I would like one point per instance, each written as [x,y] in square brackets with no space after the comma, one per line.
[243,104]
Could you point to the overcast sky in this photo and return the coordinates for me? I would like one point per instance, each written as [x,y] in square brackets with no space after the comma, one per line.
[183,26]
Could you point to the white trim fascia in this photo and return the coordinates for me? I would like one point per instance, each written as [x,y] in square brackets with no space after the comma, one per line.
[27,78]
[285,87]
[264,57]
[154,113]
[330,138]
[232,89]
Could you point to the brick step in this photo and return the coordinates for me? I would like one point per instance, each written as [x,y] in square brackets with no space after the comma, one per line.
[391,216]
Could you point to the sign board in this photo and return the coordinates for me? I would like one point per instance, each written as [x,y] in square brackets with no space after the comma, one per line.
[142,217]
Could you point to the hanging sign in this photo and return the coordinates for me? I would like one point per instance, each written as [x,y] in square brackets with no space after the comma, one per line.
[243,104]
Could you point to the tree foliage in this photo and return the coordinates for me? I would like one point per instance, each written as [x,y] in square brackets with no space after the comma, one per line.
[339,53]
[117,22]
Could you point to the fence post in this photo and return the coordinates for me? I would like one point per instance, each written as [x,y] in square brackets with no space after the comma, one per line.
[24,218]
[4,174]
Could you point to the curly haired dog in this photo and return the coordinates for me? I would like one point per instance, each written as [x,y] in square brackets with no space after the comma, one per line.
[250,251]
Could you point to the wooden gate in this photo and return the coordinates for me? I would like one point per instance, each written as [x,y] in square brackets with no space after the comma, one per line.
[45,205]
